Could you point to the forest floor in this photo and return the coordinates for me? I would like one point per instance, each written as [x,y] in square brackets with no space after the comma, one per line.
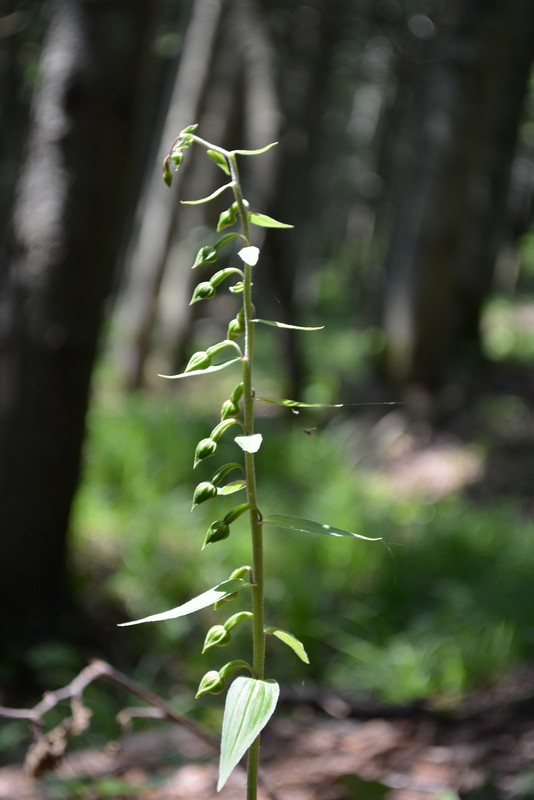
[331,750]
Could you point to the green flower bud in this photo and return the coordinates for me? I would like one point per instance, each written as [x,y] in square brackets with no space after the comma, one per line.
[237,288]
[217,531]
[189,129]
[167,174]
[234,330]
[177,157]
[206,255]
[204,291]
[204,491]
[237,393]
[199,360]
[229,409]
[217,636]
[204,449]
[211,683]
[228,217]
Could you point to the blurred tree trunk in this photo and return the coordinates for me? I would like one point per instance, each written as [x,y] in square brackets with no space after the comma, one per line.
[54,280]
[457,114]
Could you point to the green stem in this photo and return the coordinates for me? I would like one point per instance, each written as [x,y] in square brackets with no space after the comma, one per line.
[256,527]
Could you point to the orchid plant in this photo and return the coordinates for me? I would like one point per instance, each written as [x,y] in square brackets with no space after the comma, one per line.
[251,698]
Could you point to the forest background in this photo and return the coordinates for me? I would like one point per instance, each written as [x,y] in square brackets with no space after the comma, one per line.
[405,163]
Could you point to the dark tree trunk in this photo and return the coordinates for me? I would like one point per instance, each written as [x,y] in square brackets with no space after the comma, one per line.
[53,285]
[459,110]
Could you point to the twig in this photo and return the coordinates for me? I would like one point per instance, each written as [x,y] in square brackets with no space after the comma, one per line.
[101,670]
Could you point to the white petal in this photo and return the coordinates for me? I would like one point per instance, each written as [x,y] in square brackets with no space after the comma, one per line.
[250,444]
[249,255]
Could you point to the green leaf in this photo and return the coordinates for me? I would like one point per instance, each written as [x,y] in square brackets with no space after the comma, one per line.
[266,222]
[211,196]
[222,274]
[296,404]
[301,525]
[285,325]
[291,641]
[194,372]
[250,704]
[232,488]
[255,152]
[201,601]
[220,160]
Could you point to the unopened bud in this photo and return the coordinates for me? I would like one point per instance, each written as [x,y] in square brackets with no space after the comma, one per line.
[199,360]
[204,291]
[217,636]
[217,531]
[204,449]
[211,683]
[204,491]
[229,409]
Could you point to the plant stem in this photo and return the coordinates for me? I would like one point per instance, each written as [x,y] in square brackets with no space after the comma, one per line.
[256,527]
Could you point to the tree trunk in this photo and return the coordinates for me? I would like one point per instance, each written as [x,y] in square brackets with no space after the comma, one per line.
[56,276]
[458,119]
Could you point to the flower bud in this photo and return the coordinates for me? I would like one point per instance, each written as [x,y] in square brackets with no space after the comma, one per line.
[217,636]
[229,409]
[237,393]
[234,330]
[199,360]
[227,218]
[204,449]
[206,255]
[204,491]
[217,531]
[211,683]
[204,291]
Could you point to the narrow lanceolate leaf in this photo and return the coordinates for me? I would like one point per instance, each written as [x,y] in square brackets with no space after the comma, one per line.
[249,444]
[291,641]
[301,525]
[201,601]
[275,324]
[250,704]
[231,488]
[255,152]
[295,404]
[266,222]
[211,196]
[194,372]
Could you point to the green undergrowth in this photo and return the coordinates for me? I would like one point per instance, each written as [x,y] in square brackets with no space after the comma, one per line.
[435,609]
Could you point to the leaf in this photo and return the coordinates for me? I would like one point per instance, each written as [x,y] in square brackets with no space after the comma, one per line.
[255,152]
[285,325]
[291,641]
[266,222]
[249,255]
[201,601]
[250,703]
[220,160]
[249,444]
[296,404]
[231,488]
[194,372]
[301,525]
[211,196]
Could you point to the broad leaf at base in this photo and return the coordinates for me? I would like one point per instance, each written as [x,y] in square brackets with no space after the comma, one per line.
[250,703]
